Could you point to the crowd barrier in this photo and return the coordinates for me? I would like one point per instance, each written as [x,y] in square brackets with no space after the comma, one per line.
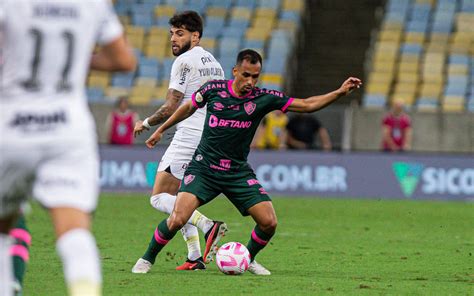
[316,174]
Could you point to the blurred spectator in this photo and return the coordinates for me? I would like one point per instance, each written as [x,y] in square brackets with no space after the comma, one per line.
[396,129]
[271,133]
[120,123]
[302,129]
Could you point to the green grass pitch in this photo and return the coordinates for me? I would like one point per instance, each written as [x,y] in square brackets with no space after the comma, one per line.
[322,246]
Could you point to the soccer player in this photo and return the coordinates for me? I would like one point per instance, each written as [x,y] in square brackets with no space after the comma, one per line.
[48,146]
[193,67]
[234,111]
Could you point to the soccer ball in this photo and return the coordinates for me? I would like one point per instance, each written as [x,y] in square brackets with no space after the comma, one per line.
[233,258]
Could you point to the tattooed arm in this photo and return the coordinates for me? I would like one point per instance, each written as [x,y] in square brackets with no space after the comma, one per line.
[173,99]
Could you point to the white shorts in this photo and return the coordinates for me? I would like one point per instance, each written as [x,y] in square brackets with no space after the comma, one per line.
[55,175]
[180,152]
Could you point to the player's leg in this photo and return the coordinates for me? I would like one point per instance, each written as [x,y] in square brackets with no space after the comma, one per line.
[195,184]
[265,217]
[191,237]
[184,206]
[204,185]
[163,199]
[20,249]
[213,230]
[164,202]
[16,178]
[167,181]
[67,185]
[246,193]
[78,251]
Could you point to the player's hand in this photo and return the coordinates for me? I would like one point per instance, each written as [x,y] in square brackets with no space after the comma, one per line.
[350,84]
[153,139]
[139,128]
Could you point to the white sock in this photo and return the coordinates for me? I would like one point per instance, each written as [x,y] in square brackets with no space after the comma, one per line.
[81,264]
[201,221]
[6,266]
[191,237]
[164,202]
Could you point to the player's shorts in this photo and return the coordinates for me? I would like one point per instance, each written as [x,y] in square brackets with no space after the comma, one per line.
[57,175]
[180,152]
[241,188]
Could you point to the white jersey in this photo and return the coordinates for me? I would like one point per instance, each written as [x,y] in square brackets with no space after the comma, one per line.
[46,129]
[189,72]
[45,52]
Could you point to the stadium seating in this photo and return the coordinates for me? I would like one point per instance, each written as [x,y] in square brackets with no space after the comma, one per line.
[267,26]
[95,94]
[423,54]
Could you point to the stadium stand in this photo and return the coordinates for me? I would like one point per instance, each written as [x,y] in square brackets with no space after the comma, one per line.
[423,53]
[268,26]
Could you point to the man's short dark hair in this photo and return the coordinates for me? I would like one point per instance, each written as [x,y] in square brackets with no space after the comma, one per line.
[250,55]
[188,19]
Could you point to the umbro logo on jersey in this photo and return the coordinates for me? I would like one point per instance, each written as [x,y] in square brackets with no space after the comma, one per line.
[223,94]
[218,106]
[250,107]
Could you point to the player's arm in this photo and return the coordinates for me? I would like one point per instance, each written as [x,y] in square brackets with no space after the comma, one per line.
[114,56]
[315,103]
[181,114]
[173,99]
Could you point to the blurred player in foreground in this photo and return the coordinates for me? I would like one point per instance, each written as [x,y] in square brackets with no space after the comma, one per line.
[48,146]
[234,111]
[193,67]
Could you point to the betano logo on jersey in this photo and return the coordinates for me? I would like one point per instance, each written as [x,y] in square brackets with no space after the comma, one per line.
[434,181]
